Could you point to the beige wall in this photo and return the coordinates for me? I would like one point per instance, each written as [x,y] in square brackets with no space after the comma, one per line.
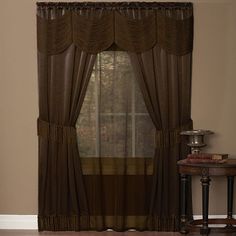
[213,102]
[213,87]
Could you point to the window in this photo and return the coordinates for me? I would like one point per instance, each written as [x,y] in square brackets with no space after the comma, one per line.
[114,121]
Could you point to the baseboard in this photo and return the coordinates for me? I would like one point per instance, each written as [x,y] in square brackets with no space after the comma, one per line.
[18,222]
[198,217]
[30,221]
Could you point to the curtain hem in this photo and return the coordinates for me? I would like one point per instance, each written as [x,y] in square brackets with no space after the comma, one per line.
[86,223]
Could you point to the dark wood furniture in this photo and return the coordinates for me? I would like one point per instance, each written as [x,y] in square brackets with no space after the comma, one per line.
[227,169]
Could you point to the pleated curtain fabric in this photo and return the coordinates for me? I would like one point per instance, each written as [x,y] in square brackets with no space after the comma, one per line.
[165,81]
[63,79]
[159,39]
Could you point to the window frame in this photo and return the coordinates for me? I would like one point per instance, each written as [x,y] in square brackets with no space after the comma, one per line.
[133,114]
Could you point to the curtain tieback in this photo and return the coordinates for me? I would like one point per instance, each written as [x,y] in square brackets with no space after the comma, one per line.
[171,137]
[56,133]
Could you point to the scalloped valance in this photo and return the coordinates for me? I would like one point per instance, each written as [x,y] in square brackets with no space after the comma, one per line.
[134,27]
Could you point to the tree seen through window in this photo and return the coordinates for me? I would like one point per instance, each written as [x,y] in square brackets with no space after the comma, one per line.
[114,121]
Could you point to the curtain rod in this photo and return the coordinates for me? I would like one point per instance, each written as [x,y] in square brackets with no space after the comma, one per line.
[110,5]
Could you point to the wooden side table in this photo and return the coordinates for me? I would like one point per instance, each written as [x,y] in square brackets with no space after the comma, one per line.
[227,169]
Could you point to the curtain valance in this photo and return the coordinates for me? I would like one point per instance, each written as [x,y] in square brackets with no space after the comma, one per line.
[134,27]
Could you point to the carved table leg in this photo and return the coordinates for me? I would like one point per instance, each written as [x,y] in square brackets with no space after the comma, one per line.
[230,199]
[205,180]
[183,220]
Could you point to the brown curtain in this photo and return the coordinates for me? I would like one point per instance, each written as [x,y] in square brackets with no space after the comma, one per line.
[62,84]
[165,81]
[62,80]
[84,194]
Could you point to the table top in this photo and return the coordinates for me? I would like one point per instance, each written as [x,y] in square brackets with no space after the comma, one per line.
[229,163]
[228,168]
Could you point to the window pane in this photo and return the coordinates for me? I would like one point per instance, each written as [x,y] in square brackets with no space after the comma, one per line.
[86,135]
[114,121]
[115,136]
[144,136]
[140,106]
[115,82]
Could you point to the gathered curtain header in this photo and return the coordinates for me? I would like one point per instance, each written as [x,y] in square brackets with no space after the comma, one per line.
[134,27]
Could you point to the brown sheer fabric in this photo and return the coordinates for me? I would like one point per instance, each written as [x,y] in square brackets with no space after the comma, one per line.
[116,143]
[134,27]
[62,80]
[83,194]
[165,81]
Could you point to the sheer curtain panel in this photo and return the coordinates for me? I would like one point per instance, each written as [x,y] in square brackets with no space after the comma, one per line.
[112,185]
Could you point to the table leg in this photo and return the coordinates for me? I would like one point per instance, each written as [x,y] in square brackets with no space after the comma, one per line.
[205,180]
[183,219]
[230,199]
